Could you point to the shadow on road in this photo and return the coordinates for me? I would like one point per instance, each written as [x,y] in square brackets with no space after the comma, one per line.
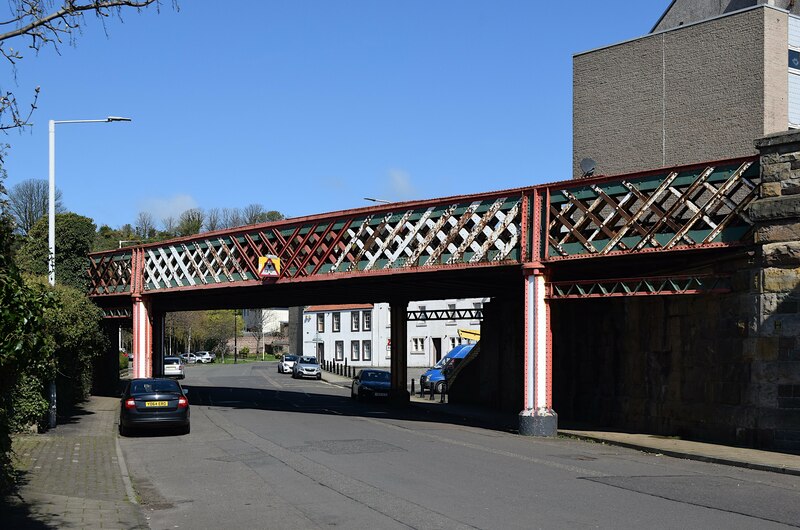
[308,403]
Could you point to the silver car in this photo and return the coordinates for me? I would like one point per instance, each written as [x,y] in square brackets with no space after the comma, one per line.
[286,364]
[173,367]
[307,367]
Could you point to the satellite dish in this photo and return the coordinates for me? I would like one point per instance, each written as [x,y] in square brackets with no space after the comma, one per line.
[588,166]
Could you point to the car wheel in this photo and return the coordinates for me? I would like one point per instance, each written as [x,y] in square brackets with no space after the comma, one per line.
[124,431]
[279,369]
[187,429]
[352,393]
[439,387]
[319,376]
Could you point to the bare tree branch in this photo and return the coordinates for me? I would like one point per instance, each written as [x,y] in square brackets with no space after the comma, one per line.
[46,24]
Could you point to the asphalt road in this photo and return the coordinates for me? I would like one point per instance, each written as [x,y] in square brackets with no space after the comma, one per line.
[268,451]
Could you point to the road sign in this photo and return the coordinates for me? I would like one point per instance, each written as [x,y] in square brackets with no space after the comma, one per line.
[269,266]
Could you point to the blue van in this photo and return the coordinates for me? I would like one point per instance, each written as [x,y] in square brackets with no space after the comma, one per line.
[434,377]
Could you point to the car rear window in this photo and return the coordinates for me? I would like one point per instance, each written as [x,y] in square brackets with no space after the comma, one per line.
[290,357]
[161,385]
[171,360]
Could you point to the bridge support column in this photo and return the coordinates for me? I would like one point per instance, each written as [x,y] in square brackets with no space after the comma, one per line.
[399,351]
[142,338]
[538,417]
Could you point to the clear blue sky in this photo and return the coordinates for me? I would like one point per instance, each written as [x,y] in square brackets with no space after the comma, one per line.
[307,106]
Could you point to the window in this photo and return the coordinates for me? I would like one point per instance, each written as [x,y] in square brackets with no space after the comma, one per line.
[418,345]
[366,320]
[794,59]
[320,322]
[454,341]
[451,308]
[339,350]
[336,322]
[422,316]
[354,350]
[354,319]
[477,306]
[366,350]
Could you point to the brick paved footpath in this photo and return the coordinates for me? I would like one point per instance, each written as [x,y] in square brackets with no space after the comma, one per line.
[72,477]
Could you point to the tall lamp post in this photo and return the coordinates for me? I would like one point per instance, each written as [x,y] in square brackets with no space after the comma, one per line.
[51,227]
[51,232]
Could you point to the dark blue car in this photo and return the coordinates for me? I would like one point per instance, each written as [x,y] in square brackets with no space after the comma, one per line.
[371,384]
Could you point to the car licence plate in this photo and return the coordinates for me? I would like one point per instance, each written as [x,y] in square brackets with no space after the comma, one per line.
[155,403]
[381,394]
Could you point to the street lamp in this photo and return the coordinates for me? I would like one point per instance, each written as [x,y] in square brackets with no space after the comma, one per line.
[51,227]
[377,200]
[51,232]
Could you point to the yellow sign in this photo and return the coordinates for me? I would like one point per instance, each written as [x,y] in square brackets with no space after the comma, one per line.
[269,266]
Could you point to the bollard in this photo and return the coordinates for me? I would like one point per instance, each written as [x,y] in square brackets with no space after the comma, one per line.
[412,386]
[444,391]
[433,391]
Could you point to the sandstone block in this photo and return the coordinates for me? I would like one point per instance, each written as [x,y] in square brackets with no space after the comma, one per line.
[772,208]
[783,254]
[770,189]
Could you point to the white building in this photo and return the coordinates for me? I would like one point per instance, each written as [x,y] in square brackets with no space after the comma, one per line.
[361,333]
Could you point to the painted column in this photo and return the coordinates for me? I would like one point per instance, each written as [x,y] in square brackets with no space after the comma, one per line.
[399,352]
[142,338]
[538,417]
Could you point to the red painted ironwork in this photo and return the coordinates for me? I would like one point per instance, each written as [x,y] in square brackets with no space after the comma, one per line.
[692,207]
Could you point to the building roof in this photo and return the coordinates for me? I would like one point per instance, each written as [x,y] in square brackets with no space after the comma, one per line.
[340,307]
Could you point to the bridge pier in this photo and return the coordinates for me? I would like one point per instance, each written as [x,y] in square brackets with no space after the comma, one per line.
[399,351]
[142,338]
[538,417]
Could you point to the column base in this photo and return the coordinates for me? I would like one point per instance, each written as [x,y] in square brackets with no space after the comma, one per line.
[399,397]
[541,422]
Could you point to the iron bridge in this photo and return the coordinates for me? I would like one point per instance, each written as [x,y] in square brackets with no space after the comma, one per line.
[684,208]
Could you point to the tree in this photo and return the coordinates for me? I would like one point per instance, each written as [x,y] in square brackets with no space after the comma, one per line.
[75,236]
[231,218]
[213,219]
[25,345]
[145,226]
[28,202]
[260,322]
[168,225]
[253,214]
[190,222]
[43,27]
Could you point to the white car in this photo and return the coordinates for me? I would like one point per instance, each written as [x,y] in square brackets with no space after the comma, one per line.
[205,357]
[173,367]
[286,364]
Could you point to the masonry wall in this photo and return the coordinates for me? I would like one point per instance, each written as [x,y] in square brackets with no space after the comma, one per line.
[672,365]
[719,367]
[696,93]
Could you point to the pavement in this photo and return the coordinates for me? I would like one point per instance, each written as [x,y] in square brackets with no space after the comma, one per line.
[75,475]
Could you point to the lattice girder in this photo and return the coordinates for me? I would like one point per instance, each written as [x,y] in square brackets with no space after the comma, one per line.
[696,207]
[476,231]
[682,208]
